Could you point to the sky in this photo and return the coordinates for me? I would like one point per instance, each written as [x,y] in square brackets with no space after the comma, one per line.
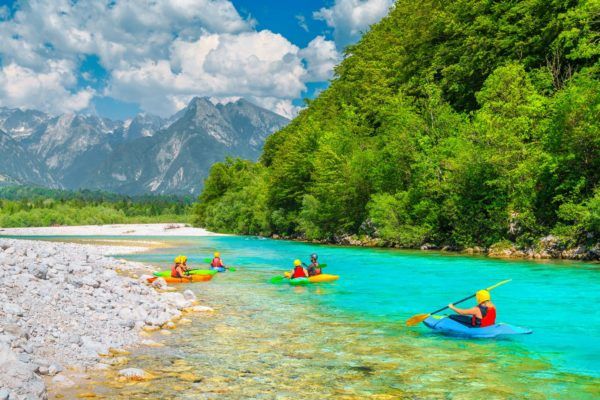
[117,58]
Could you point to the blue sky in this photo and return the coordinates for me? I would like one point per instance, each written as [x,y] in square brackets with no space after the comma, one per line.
[116,58]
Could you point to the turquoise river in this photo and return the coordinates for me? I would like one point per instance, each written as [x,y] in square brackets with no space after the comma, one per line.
[348,339]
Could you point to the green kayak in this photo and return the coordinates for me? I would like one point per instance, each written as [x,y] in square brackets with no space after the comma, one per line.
[191,272]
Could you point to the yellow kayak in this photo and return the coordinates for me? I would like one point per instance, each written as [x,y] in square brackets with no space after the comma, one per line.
[321,278]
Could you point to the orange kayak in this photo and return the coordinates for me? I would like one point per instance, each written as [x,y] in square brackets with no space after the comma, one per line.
[187,279]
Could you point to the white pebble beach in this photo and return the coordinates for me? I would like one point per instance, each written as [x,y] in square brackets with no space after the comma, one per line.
[65,305]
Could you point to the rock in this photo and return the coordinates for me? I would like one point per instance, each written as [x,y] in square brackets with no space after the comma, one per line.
[14,309]
[118,352]
[169,325]
[134,374]
[4,394]
[157,318]
[177,300]
[189,295]
[159,283]
[54,369]
[92,347]
[18,378]
[40,271]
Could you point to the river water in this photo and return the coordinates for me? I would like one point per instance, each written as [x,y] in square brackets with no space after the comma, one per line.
[348,340]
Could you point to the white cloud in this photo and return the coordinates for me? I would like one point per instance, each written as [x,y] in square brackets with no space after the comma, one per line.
[158,53]
[321,57]
[349,18]
[249,64]
[280,106]
[302,22]
[45,91]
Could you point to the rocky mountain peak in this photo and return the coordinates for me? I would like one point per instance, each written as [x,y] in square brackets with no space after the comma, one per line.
[86,151]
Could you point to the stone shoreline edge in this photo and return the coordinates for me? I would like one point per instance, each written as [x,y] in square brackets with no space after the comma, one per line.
[72,309]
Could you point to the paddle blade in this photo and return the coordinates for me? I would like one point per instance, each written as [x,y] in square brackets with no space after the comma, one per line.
[416,319]
[208,260]
[232,269]
[277,279]
[322,265]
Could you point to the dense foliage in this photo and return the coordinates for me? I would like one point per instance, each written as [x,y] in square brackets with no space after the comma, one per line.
[457,123]
[29,206]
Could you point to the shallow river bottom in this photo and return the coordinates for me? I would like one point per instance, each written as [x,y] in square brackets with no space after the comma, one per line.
[257,344]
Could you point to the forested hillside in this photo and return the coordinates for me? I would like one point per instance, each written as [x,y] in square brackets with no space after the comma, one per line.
[22,206]
[462,123]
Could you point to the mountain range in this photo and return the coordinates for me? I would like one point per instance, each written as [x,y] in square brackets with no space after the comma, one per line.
[146,154]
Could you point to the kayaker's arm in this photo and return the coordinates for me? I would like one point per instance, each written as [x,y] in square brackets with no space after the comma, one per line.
[466,311]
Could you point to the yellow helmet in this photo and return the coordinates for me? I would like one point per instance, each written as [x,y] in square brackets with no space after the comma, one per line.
[297,263]
[482,296]
[217,254]
[178,260]
[183,259]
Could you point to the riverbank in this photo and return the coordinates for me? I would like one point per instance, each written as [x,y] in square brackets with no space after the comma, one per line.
[167,229]
[548,247]
[66,308]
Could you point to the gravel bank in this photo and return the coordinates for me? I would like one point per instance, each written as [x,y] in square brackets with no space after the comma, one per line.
[111,230]
[64,305]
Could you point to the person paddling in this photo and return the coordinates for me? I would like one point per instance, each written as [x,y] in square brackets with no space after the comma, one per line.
[484,314]
[217,262]
[179,270]
[299,271]
[313,268]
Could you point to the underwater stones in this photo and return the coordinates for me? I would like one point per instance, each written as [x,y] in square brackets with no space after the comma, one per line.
[151,343]
[134,374]
[199,309]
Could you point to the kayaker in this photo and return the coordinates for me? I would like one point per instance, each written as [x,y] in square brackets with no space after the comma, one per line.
[179,270]
[299,271]
[484,314]
[313,268]
[217,262]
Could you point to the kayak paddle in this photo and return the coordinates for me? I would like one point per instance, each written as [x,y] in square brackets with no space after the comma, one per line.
[417,319]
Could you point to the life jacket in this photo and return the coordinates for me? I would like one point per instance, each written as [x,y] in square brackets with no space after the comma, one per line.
[174,272]
[298,272]
[488,315]
[313,269]
[216,262]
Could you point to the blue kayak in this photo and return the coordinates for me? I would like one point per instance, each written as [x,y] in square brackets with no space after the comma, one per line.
[218,269]
[450,327]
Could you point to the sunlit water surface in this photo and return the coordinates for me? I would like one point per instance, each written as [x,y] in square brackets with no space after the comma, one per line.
[347,340]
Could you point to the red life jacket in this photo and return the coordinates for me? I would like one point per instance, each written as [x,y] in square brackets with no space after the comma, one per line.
[216,262]
[488,315]
[174,272]
[298,272]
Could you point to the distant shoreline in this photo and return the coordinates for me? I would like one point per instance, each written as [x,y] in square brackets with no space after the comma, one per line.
[164,229]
